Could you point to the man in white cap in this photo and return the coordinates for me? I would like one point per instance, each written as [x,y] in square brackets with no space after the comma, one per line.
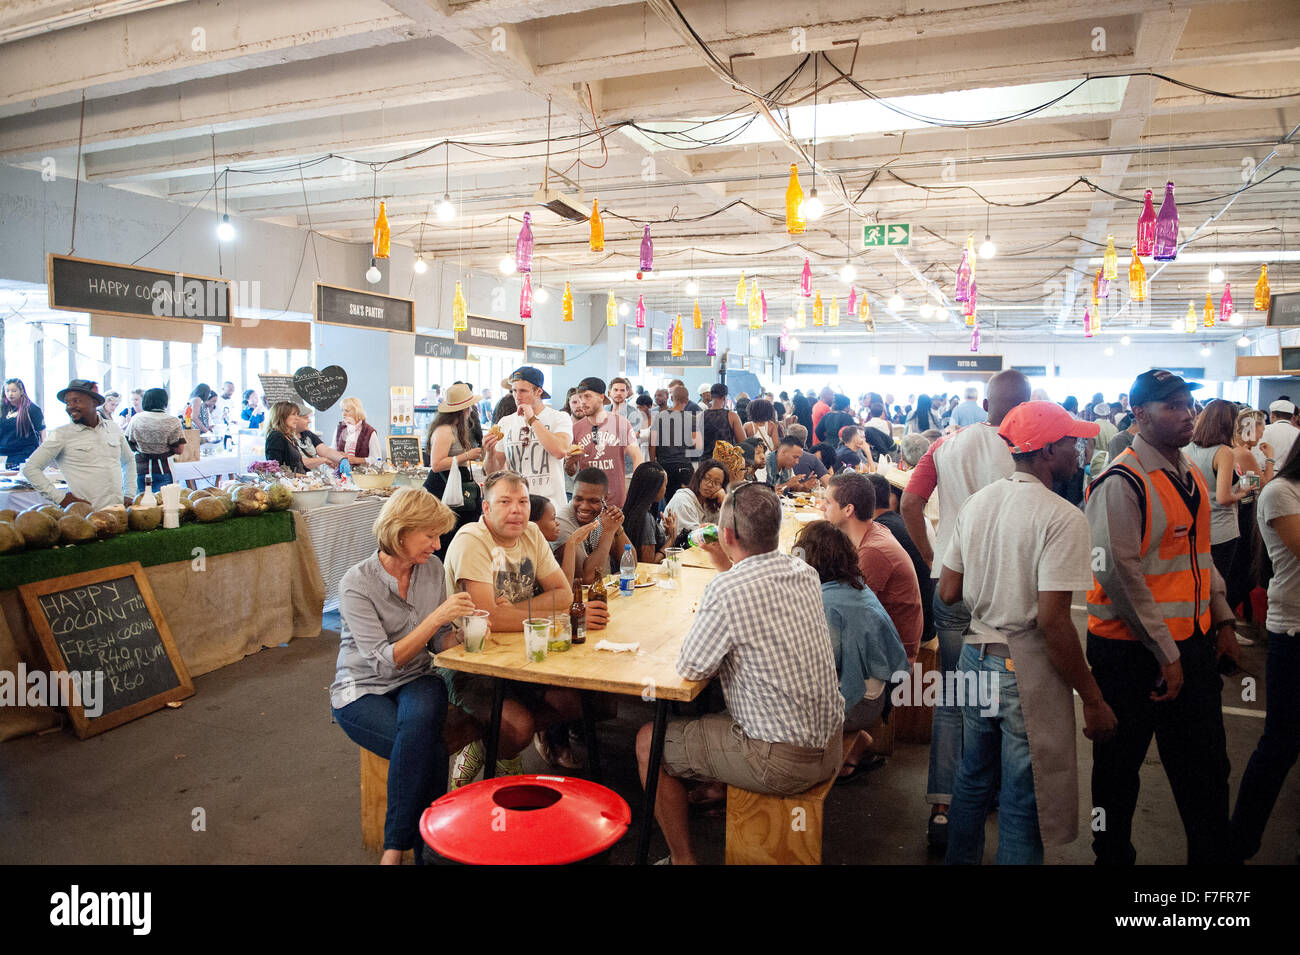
[1281,432]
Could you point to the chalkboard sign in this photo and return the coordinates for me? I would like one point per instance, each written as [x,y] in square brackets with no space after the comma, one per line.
[279,388]
[493,333]
[1290,359]
[1284,309]
[335,305]
[687,359]
[404,450]
[983,363]
[106,626]
[428,346]
[544,355]
[320,388]
[111,288]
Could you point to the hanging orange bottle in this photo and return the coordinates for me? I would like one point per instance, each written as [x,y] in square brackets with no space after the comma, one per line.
[794,221]
[1262,290]
[383,234]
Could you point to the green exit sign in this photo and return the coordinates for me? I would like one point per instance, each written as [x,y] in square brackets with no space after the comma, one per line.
[880,234]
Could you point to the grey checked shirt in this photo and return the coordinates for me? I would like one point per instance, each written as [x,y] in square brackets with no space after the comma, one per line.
[761,628]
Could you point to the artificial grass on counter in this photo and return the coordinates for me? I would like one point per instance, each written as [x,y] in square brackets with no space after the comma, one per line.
[161,546]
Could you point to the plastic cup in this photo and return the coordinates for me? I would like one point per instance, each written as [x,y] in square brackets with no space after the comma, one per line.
[537,634]
[673,568]
[475,627]
[560,639]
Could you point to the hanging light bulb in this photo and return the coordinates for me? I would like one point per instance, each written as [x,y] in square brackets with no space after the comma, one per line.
[526,296]
[1110,260]
[524,245]
[1189,320]
[896,303]
[225,231]
[1167,227]
[597,224]
[507,264]
[1215,276]
[925,309]
[445,210]
[691,288]
[541,296]
[1146,229]
[794,343]
[372,273]
[1176,325]
[383,234]
[640,311]
[794,221]
[975,338]
[696,317]
[420,266]
[833,318]
[964,270]
[1087,322]
[1243,342]
[1137,279]
[566,303]
[853,300]
[647,253]
[813,207]
[1205,351]
[1262,290]
[1109,352]
[611,311]
[1125,340]
[848,273]
[818,312]
[805,280]
[987,250]
[711,340]
[1226,311]
[459,319]
[623,308]
[1207,312]
[800,316]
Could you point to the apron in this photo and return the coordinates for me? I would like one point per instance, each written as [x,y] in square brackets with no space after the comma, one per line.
[1047,703]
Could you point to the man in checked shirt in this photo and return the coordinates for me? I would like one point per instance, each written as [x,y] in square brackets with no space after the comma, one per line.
[761,630]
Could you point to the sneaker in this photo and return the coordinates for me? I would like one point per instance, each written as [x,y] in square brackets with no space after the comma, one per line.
[467,764]
[1244,641]
[937,830]
[510,767]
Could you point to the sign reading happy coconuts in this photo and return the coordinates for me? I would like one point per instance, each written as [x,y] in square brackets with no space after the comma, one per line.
[110,288]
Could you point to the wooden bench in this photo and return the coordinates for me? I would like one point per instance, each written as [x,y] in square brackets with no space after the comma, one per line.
[778,830]
[458,731]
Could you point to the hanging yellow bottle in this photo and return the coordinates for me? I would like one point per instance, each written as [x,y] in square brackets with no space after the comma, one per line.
[817,311]
[678,335]
[1207,313]
[611,311]
[864,313]
[1261,290]
[801,316]
[459,319]
[833,319]
[383,234]
[1137,279]
[794,221]
[755,308]
[1096,321]
[597,227]
[566,303]
[696,317]
[740,290]
[1189,322]
[1110,261]
[1096,280]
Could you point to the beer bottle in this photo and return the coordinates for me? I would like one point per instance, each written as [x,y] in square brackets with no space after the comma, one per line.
[578,614]
[596,592]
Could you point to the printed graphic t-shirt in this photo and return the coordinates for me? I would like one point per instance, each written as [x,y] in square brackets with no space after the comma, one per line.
[473,556]
[603,449]
[525,454]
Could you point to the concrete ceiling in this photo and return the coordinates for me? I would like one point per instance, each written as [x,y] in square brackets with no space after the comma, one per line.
[344,99]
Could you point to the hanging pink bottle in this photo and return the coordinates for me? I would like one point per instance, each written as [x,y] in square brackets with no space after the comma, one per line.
[975,337]
[853,300]
[526,296]
[762,301]
[972,296]
[711,343]
[1167,227]
[647,252]
[1103,286]
[962,291]
[785,336]
[524,246]
[805,280]
[1225,303]
[722,311]
[1087,322]
[640,311]
[1146,236]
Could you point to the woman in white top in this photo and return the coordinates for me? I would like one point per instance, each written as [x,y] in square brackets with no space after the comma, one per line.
[642,419]
[701,500]
[1211,452]
[762,424]
[355,438]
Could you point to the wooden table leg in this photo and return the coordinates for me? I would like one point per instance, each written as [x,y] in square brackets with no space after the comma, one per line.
[652,781]
[494,729]
[589,731]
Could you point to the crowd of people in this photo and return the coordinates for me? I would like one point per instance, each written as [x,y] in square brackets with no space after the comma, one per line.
[966,526]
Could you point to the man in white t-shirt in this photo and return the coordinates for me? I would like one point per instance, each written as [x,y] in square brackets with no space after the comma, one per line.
[534,440]
[957,465]
[1281,432]
[1017,554]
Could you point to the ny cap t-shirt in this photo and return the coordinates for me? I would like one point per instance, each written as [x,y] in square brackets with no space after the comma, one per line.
[525,454]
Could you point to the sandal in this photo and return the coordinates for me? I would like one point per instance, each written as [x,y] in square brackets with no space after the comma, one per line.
[869,763]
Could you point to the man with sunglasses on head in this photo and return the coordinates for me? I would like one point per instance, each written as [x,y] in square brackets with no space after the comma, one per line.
[602,439]
[534,440]
[761,630]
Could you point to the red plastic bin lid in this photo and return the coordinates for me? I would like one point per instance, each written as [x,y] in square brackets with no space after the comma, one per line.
[525,820]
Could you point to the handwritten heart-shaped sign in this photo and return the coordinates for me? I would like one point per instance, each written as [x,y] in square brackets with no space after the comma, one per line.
[320,389]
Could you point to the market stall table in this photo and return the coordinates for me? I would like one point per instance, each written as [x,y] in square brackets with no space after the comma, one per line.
[655,618]
[208,471]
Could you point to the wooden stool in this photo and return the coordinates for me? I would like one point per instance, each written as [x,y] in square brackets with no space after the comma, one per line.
[778,830]
[459,731]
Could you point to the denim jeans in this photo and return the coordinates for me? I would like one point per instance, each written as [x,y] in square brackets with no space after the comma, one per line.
[995,743]
[950,621]
[1277,749]
[405,727]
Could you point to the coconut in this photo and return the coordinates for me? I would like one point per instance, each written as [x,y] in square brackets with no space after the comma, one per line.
[248,500]
[53,510]
[78,508]
[278,497]
[8,514]
[11,540]
[108,522]
[37,528]
[74,529]
[144,518]
[210,509]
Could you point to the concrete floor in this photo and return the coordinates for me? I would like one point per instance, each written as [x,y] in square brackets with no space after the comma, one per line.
[254,749]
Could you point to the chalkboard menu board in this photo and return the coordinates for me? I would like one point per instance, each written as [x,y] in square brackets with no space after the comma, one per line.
[106,626]
[1284,309]
[965,363]
[544,355]
[492,333]
[335,305]
[1290,359]
[320,387]
[687,359]
[404,450]
[279,388]
[428,346]
[87,285]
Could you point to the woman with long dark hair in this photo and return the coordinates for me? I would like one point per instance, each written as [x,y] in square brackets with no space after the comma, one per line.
[802,408]
[700,501]
[22,425]
[647,536]
[1279,525]
[1211,452]
[923,418]
[762,424]
[450,446]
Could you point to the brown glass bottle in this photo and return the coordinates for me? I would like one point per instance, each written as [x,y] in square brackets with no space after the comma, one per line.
[578,614]
[596,592]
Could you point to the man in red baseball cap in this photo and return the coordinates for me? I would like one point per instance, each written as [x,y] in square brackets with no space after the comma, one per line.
[1017,554]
